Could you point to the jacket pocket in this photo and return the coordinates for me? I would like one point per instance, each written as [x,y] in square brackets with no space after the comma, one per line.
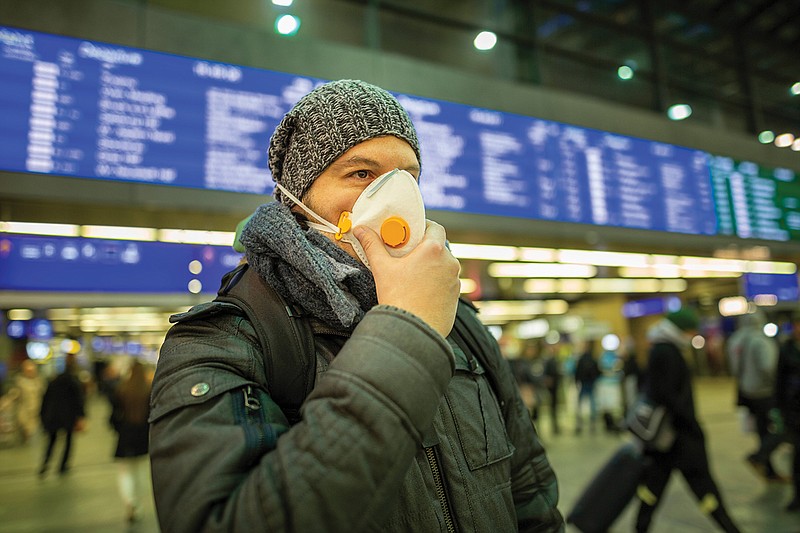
[476,414]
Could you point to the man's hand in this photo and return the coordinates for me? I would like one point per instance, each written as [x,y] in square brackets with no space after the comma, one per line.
[424,282]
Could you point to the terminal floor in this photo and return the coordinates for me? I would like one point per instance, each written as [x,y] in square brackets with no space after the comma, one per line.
[86,498]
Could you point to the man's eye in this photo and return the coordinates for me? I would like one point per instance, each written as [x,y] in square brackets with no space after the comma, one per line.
[361,174]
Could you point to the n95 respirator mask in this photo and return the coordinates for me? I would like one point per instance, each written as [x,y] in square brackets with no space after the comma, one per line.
[391,206]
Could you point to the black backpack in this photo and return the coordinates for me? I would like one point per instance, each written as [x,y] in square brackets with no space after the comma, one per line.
[287,341]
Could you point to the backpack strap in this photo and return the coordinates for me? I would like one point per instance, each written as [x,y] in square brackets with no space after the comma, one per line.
[285,336]
[472,336]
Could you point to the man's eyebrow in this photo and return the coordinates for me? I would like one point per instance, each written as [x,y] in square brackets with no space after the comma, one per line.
[356,160]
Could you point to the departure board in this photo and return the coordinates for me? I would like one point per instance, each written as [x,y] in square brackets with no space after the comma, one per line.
[74,264]
[80,108]
[86,109]
[753,201]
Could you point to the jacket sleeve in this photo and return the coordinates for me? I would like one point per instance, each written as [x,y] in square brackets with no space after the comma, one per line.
[337,469]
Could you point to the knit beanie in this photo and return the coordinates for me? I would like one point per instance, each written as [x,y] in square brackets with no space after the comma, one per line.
[685,319]
[326,123]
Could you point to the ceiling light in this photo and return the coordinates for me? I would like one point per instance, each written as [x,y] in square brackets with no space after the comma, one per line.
[771,267]
[468,285]
[287,25]
[796,145]
[533,329]
[20,314]
[540,286]
[625,72]
[282,3]
[655,271]
[485,40]
[573,286]
[118,232]
[592,257]
[484,251]
[679,111]
[766,137]
[37,228]
[735,305]
[537,255]
[673,285]
[187,236]
[541,270]
[795,88]
[765,300]
[784,140]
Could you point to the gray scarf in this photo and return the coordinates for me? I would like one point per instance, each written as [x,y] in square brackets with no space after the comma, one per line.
[307,268]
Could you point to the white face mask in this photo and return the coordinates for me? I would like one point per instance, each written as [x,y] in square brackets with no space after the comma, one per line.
[391,205]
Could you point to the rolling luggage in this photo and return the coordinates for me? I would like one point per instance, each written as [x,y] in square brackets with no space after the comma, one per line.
[609,492]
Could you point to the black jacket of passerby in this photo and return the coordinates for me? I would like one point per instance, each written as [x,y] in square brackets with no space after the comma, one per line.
[787,388]
[63,403]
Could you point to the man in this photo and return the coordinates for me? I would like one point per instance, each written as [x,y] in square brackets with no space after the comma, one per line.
[62,410]
[753,359]
[668,383]
[401,432]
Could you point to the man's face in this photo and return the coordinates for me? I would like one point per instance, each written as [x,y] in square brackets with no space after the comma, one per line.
[339,186]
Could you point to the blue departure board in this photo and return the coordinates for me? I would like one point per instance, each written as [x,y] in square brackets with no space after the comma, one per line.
[65,264]
[86,109]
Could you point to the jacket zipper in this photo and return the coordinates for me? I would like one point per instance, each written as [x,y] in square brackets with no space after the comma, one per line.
[437,480]
[254,432]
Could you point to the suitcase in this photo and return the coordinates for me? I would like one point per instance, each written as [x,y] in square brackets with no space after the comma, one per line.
[609,492]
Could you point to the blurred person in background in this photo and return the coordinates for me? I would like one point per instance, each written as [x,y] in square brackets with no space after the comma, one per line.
[631,373]
[753,359]
[787,395]
[63,411]
[586,373]
[527,370]
[29,404]
[785,418]
[552,381]
[608,389]
[131,407]
[668,382]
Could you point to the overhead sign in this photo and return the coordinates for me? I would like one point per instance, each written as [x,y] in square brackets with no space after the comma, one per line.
[81,108]
[756,202]
[64,264]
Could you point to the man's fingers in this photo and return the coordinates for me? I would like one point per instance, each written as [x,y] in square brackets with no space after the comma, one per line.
[370,242]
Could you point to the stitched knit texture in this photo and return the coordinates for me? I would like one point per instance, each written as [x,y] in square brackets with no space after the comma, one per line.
[326,123]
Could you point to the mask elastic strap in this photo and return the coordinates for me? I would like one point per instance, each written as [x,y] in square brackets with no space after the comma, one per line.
[331,227]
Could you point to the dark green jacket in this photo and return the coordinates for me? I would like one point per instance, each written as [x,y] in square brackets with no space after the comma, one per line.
[402,432]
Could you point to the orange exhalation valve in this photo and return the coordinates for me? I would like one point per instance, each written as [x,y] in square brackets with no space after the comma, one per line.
[344,225]
[395,232]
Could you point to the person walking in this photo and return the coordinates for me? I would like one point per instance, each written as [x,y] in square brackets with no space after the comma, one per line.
[62,411]
[667,382]
[753,359]
[131,406]
[29,404]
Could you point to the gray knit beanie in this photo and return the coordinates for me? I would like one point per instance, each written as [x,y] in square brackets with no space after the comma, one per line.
[326,123]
